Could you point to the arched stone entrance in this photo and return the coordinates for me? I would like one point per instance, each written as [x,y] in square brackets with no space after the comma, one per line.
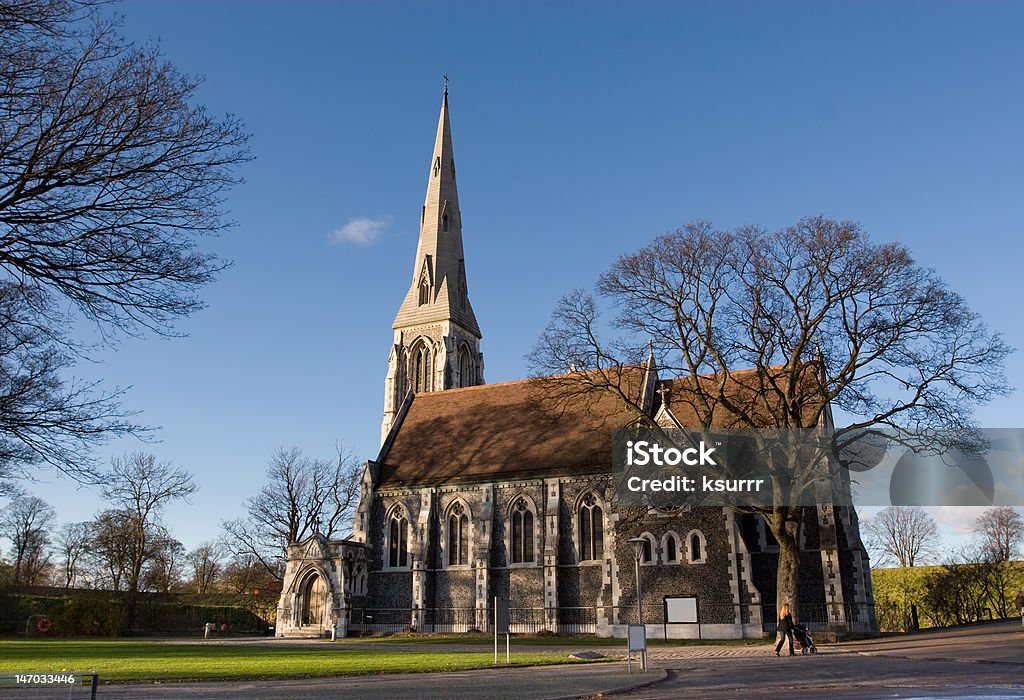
[323,580]
[313,599]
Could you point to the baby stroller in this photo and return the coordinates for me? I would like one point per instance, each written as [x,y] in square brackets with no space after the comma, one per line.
[803,639]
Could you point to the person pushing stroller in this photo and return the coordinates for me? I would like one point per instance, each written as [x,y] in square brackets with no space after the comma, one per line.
[804,639]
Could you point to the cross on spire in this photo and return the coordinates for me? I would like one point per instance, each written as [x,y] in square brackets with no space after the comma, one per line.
[445,83]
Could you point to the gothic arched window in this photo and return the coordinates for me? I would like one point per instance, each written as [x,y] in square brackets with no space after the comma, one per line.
[421,369]
[458,536]
[696,547]
[647,553]
[424,296]
[444,223]
[398,539]
[670,548]
[522,532]
[591,529]
[466,374]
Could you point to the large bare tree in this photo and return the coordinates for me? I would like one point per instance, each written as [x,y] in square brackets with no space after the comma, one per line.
[26,522]
[1001,531]
[902,535]
[824,317]
[140,486]
[110,176]
[302,496]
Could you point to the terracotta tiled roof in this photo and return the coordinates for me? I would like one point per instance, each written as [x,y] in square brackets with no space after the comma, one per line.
[756,393]
[503,431]
[516,430]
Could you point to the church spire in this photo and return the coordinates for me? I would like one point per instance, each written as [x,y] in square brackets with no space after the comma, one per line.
[439,290]
[437,338]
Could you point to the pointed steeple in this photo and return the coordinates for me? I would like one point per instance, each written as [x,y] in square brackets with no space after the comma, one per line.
[439,290]
[437,338]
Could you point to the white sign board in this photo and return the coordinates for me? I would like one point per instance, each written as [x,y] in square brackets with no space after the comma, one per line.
[680,610]
[637,638]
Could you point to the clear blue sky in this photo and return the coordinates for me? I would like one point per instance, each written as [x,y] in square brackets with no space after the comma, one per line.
[581,131]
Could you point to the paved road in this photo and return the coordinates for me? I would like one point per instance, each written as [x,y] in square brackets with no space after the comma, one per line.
[971,662]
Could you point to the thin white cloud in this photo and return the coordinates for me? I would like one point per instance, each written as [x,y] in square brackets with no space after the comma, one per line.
[360,231]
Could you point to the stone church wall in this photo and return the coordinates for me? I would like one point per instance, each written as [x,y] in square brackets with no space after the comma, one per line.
[580,586]
[454,588]
[390,589]
[740,565]
[709,581]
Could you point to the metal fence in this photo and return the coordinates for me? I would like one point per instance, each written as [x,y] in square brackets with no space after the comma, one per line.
[579,620]
[824,617]
[850,617]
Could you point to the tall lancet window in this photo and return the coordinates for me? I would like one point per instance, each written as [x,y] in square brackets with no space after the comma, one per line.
[398,539]
[458,536]
[522,532]
[444,223]
[591,529]
[424,291]
[420,367]
[466,371]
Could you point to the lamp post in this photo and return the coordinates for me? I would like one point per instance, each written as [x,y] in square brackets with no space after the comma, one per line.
[638,552]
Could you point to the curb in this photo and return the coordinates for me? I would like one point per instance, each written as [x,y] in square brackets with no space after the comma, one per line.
[944,659]
[614,691]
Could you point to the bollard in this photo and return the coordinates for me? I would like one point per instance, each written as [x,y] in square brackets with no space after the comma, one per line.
[206,630]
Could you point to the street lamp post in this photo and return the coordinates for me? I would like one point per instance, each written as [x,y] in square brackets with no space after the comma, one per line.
[638,552]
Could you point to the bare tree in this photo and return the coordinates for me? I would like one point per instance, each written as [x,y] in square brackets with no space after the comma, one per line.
[110,177]
[1001,531]
[73,540]
[204,566]
[163,573]
[302,496]
[26,522]
[824,318]
[42,416]
[112,547]
[904,535]
[968,587]
[245,573]
[140,486]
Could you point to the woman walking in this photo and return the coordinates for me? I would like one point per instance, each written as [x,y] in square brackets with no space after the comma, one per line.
[785,629]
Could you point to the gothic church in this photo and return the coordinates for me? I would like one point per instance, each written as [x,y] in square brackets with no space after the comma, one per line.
[478,491]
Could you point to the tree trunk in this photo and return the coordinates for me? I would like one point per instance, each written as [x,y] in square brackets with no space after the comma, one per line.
[786,578]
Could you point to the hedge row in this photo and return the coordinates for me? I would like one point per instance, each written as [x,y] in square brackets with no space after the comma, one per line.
[104,613]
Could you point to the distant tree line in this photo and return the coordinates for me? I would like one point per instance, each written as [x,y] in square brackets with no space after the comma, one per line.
[127,546]
[975,582]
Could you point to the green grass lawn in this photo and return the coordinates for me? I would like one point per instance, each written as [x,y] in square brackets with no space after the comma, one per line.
[143,661]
